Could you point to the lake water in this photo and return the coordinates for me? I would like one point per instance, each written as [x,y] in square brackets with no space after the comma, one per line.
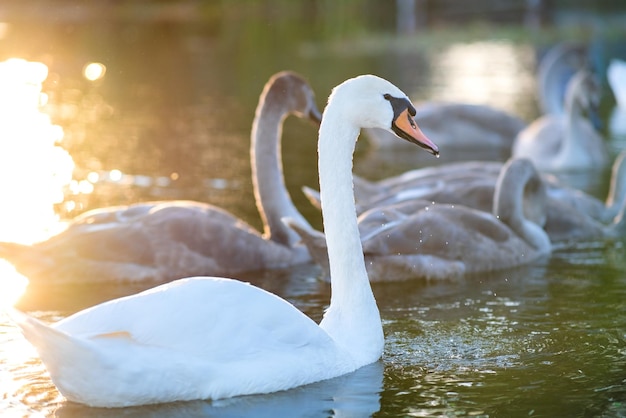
[170,119]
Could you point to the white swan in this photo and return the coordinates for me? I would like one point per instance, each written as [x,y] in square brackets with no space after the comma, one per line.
[424,240]
[554,71]
[209,338]
[569,142]
[616,75]
[162,241]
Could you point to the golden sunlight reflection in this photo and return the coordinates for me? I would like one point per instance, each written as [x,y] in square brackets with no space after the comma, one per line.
[94,71]
[4,29]
[491,72]
[34,169]
[12,285]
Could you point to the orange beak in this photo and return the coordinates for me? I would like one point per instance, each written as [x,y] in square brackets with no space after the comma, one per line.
[406,128]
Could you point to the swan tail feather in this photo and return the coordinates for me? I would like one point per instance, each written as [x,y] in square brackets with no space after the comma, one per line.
[57,349]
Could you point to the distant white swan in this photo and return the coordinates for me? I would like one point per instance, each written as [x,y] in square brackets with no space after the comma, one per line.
[420,239]
[162,241]
[568,142]
[210,338]
[616,75]
[554,72]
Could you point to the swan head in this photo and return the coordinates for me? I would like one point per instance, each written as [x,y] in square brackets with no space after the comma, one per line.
[294,94]
[520,201]
[520,193]
[372,102]
[584,88]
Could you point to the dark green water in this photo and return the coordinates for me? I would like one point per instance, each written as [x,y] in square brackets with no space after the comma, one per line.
[177,103]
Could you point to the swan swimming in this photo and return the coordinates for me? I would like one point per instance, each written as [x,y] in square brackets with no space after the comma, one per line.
[167,240]
[556,68]
[566,142]
[421,239]
[209,337]
[572,215]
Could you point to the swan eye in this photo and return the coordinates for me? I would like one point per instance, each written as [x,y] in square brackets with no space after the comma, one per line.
[400,104]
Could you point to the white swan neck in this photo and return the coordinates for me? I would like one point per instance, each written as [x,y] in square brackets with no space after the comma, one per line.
[338,207]
[271,195]
[352,319]
[574,136]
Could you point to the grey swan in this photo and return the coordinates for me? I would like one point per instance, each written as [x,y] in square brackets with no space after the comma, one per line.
[566,142]
[434,241]
[166,240]
[572,215]
[212,337]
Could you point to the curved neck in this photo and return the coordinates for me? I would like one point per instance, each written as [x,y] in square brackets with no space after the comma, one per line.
[338,209]
[271,195]
[352,318]
[617,190]
[520,200]
[573,115]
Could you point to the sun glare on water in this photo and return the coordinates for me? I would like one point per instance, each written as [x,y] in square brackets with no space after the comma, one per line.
[33,167]
[12,284]
[491,73]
